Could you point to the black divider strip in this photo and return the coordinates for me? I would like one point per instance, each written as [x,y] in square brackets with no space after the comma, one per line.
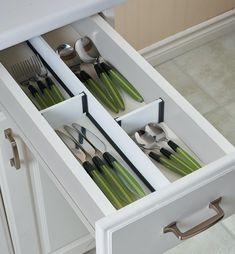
[136,171]
[92,119]
[50,70]
[84,103]
[161,111]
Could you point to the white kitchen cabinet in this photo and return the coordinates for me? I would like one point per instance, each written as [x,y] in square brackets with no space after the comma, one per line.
[40,219]
[139,227]
[5,237]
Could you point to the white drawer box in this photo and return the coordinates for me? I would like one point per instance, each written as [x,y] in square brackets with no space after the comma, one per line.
[138,227]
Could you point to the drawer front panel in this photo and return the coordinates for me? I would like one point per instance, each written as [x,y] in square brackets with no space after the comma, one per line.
[140,230]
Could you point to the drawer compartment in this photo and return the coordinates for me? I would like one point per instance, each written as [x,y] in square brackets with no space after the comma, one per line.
[45,86]
[78,110]
[138,227]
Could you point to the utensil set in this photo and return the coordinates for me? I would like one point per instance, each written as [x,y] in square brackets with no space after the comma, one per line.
[108,92]
[114,180]
[175,159]
[34,78]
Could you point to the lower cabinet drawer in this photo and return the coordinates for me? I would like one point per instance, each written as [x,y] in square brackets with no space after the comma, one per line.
[139,227]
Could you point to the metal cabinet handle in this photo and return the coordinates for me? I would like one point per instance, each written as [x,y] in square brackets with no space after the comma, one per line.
[200,227]
[15,161]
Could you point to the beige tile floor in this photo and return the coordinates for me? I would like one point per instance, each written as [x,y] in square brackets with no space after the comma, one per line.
[205,76]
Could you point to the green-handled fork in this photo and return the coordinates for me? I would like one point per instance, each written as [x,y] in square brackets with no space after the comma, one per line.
[42,72]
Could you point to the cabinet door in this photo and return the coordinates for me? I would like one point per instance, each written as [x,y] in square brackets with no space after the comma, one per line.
[41,220]
[5,238]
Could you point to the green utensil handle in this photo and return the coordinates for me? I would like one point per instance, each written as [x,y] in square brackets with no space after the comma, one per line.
[123,172]
[187,157]
[174,157]
[55,91]
[112,90]
[97,91]
[103,185]
[113,180]
[167,163]
[37,97]
[45,91]
[122,82]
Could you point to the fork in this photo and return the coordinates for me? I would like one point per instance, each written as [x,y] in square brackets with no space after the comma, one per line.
[24,74]
[42,72]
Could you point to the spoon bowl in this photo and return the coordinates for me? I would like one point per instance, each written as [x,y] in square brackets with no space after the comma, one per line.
[157,131]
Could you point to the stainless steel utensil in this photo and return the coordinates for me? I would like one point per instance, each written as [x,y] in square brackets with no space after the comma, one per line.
[82,156]
[148,142]
[89,53]
[68,54]
[95,153]
[25,75]
[42,72]
[160,135]
[122,172]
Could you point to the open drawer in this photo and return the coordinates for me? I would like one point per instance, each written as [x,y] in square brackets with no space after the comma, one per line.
[138,227]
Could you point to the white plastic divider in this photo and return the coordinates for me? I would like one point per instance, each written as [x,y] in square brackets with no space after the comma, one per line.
[72,110]
[138,118]
[180,115]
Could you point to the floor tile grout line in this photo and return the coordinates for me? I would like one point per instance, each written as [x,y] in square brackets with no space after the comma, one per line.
[228,230]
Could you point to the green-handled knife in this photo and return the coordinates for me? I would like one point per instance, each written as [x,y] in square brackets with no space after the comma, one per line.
[126,177]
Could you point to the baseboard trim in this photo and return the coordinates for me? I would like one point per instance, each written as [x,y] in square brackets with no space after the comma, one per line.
[190,38]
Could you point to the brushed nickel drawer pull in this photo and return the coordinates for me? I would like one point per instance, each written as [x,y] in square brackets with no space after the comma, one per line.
[200,227]
[15,161]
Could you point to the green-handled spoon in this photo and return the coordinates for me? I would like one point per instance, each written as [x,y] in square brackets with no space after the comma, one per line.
[71,58]
[167,163]
[95,88]
[110,86]
[148,142]
[160,135]
[121,81]
[89,53]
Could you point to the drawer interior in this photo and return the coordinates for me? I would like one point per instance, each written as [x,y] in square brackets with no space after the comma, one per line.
[79,110]
[20,63]
[185,123]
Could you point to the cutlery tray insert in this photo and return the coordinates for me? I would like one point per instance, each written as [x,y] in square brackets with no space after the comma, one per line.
[76,110]
[154,113]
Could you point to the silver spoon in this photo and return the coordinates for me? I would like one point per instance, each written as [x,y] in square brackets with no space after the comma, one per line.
[70,57]
[160,134]
[148,142]
[89,53]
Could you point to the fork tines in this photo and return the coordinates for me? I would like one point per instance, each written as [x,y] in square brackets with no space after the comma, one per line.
[25,70]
